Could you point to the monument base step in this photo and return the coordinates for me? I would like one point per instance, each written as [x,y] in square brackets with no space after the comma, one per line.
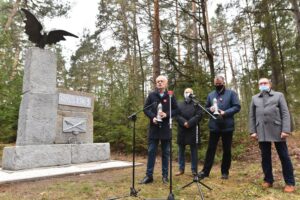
[7,176]
[34,156]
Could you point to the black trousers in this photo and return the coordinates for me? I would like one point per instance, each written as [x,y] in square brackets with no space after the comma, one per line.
[211,151]
[286,164]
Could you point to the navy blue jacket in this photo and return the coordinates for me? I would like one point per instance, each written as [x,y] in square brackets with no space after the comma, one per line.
[228,101]
[153,99]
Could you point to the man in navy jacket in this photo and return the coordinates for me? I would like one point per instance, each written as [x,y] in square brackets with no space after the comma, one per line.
[159,131]
[228,105]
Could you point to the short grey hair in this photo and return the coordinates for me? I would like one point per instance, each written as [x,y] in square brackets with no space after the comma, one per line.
[269,80]
[162,77]
[219,77]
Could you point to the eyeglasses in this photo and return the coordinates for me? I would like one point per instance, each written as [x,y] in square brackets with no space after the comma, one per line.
[159,81]
[263,83]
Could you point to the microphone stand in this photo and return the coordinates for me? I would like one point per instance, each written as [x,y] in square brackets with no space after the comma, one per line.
[133,191]
[196,178]
[198,104]
[171,195]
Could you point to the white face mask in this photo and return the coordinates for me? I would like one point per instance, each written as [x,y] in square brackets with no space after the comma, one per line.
[186,95]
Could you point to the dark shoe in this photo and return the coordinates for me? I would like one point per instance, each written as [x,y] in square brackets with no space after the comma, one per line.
[224,176]
[146,180]
[202,175]
[165,180]
[194,173]
[179,173]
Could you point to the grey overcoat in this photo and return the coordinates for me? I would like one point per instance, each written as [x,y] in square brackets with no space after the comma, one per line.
[269,116]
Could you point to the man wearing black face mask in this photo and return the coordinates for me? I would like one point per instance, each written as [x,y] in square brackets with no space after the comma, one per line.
[227,103]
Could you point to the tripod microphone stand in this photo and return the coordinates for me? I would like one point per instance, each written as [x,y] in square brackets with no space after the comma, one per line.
[133,191]
[171,195]
[196,178]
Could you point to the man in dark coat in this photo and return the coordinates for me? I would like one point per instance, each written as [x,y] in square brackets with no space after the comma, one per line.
[270,122]
[157,107]
[188,118]
[228,104]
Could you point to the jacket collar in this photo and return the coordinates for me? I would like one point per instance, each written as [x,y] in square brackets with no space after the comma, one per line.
[158,93]
[221,92]
[188,101]
[270,93]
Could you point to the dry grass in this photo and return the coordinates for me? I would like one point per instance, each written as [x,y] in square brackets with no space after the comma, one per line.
[243,184]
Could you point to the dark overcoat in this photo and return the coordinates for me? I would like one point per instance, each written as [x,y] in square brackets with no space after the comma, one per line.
[227,101]
[190,113]
[150,110]
[269,116]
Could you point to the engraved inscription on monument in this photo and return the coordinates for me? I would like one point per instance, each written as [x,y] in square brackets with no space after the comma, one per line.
[74,124]
[74,100]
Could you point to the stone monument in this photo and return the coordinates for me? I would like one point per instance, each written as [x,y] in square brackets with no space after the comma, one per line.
[55,126]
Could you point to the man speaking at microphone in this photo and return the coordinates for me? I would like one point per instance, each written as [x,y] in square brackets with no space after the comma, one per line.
[159,129]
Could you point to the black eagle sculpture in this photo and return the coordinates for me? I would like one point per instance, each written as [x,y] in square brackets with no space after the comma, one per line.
[33,29]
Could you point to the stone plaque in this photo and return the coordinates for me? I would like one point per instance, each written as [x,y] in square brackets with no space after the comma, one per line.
[74,100]
[74,125]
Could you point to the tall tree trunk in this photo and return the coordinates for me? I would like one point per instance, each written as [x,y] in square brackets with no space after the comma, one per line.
[248,68]
[281,56]
[195,36]
[224,62]
[136,38]
[296,11]
[127,46]
[178,32]
[269,39]
[254,54]
[208,50]
[12,14]
[156,42]
[283,68]
[230,60]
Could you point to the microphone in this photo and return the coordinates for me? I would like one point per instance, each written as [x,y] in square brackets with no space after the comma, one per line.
[170,93]
[192,96]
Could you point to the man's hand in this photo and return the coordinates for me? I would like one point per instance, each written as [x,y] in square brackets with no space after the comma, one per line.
[162,114]
[186,125]
[222,112]
[155,120]
[284,135]
[212,109]
[254,136]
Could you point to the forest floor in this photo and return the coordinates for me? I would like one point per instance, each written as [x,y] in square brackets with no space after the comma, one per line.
[244,181]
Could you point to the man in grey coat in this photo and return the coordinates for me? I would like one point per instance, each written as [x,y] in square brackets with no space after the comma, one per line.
[269,121]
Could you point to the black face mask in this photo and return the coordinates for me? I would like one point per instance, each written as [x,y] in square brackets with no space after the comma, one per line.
[219,87]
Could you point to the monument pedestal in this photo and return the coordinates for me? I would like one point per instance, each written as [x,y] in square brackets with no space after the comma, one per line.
[55,127]
[34,156]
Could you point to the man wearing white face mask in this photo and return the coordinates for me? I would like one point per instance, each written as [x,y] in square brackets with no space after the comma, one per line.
[269,121]
[188,118]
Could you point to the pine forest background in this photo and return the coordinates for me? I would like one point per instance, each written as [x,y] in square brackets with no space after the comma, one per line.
[243,40]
